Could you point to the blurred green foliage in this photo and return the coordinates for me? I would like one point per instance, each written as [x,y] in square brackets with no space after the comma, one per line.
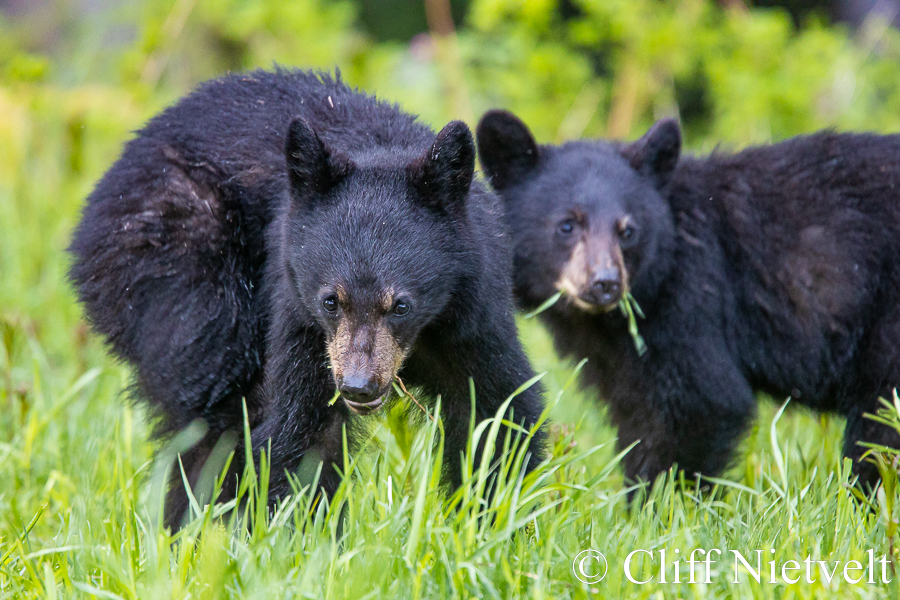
[571,68]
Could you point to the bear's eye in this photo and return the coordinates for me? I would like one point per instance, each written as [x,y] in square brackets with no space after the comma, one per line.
[401,307]
[330,303]
[626,230]
[566,226]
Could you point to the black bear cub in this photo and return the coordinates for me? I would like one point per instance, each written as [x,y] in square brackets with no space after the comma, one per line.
[276,237]
[776,270]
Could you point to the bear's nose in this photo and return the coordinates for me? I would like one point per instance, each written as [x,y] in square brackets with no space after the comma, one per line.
[606,288]
[359,390]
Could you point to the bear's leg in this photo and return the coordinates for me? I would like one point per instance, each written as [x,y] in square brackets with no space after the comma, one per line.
[299,430]
[692,416]
[497,367]
[862,430]
[298,441]
[879,375]
[524,410]
[654,445]
[201,464]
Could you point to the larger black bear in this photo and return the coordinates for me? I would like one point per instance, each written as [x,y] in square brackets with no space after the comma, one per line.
[276,236]
[776,269]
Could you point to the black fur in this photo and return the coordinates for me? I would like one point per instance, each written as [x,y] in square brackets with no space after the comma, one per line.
[202,253]
[775,269]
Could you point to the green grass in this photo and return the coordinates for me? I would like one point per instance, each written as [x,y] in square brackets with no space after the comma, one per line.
[79,489]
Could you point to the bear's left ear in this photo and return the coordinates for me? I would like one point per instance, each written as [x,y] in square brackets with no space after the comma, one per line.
[443,175]
[507,149]
[656,153]
[313,167]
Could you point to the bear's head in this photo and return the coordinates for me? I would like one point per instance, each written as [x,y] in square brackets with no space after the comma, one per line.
[588,219]
[374,249]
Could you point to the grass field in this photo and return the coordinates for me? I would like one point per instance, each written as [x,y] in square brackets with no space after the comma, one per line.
[79,488]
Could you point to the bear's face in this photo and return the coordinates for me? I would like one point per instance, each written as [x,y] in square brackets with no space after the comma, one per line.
[587,218]
[373,252]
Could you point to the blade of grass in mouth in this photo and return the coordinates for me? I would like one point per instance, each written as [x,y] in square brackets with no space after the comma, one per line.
[544,305]
[629,307]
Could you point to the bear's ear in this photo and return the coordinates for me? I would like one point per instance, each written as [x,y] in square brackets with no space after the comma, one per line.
[506,147]
[312,166]
[443,175]
[656,153]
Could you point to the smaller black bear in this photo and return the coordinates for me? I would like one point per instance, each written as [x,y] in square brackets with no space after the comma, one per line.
[278,236]
[776,269]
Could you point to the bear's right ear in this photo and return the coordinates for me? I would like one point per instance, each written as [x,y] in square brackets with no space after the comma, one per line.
[656,153]
[506,147]
[444,173]
[312,166]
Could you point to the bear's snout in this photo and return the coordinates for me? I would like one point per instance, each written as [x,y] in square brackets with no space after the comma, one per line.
[361,393]
[365,358]
[606,288]
[594,278]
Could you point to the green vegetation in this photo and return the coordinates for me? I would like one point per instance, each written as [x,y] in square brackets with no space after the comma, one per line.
[79,490]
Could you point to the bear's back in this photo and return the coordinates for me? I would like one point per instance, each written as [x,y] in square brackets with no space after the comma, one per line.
[240,121]
[808,231]
[810,177]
